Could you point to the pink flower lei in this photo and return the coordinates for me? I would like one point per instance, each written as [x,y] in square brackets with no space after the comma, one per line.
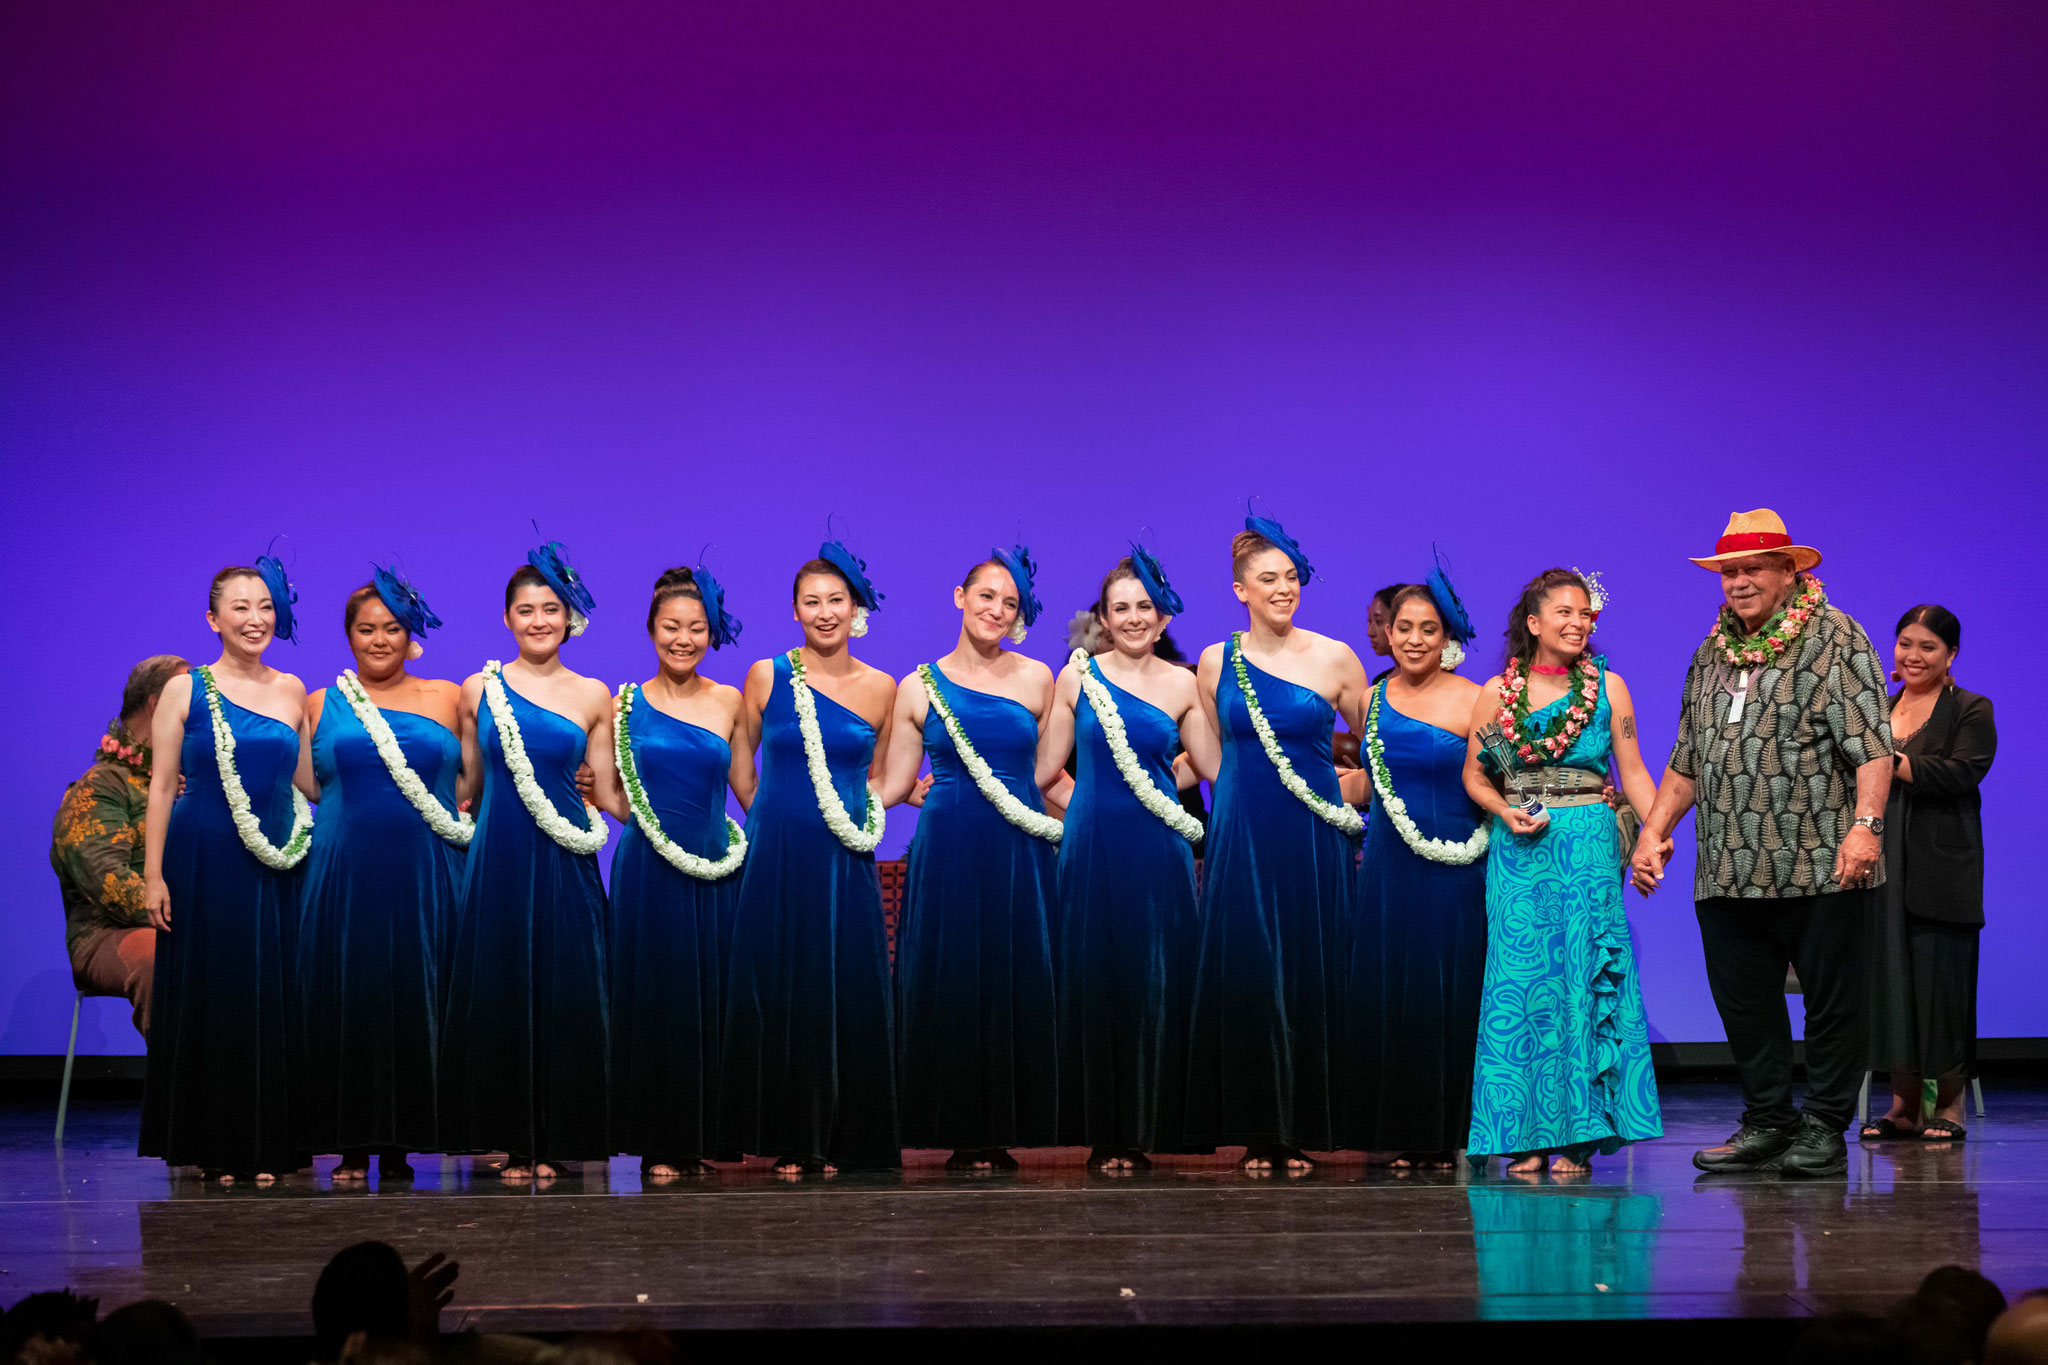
[1768,645]
[1564,729]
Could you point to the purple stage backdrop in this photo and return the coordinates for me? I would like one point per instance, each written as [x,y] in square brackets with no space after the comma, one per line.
[1540,283]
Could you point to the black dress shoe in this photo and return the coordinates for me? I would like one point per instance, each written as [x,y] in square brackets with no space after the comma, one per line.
[1815,1150]
[1750,1148]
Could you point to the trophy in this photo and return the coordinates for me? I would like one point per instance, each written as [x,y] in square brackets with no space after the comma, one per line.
[1494,742]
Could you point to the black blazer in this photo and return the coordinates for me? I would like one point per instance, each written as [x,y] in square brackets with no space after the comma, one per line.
[1940,819]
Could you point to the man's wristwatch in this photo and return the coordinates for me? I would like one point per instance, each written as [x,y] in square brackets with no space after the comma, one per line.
[1873,823]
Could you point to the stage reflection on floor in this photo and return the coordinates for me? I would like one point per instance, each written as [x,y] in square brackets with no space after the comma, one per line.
[1188,1243]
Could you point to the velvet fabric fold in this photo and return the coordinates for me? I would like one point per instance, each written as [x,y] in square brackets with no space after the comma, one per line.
[978,1042]
[1278,906]
[809,1048]
[220,1090]
[670,940]
[1418,958]
[1126,933]
[378,903]
[525,1051]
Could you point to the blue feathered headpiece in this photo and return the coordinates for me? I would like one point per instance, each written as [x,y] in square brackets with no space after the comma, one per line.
[725,627]
[1457,621]
[1286,544]
[404,601]
[567,583]
[1023,569]
[271,569]
[1152,578]
[854,570]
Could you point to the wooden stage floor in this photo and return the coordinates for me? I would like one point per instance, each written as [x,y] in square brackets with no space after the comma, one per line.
[1193,1244]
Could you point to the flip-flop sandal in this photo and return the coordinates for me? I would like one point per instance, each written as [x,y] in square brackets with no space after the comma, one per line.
[1882,1130]
[1941,1130]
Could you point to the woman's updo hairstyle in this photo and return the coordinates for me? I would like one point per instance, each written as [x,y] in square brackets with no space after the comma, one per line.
[975,572]
[1244,547]
[1521,644]
[1124,569]
[220,580]
[672,584]
[1937,619]
[526,576]
[1412,592]
[810,569]
[355,605]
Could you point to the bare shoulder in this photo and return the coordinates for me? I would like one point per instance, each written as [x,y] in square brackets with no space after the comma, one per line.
[179,687]
[1212,657]
[289,684]
[1033,670]
[473,685]
[1464,689]
[1616,687]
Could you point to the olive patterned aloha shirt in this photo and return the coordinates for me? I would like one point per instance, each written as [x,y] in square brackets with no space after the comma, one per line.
[97,846]
[1775,791]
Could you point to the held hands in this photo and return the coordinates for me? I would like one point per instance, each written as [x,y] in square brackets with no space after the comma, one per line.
[1353,786]
[1856,859]
[156,899]
[586,783]
[916,797]
[1646,869]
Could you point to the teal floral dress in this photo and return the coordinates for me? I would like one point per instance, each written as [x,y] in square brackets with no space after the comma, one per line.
[1564,1050]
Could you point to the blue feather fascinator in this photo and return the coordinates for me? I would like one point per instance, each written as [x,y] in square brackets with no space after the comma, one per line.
[271,569]
[1152,578]
[567,583]
[1286,544]
[1023,569]
[854,570]
[725,627]
[404,601]
[1457,621]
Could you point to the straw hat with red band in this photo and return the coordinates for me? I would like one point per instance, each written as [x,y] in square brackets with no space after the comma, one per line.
[1761,532]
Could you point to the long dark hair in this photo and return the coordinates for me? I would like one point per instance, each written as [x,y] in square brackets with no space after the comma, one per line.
[1521,644]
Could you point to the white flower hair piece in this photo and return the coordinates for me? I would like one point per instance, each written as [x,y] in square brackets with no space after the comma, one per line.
[1596,590]
[860,623]
[1451,656]
[1017,631]
[578,622]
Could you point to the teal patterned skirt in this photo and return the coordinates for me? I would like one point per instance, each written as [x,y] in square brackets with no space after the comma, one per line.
[1564,1047]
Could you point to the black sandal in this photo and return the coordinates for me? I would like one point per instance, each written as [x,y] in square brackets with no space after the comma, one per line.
[1882,1130]
[1943,1130]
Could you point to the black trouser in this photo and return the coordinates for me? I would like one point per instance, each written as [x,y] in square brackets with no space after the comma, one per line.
[1748,943]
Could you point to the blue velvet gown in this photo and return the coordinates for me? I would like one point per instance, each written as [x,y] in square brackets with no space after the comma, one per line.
[525,1050]
[810,1045]
[1564,1047]
[1418,956]
[219,1089]
[974,982]
[669,940]
[1279,897]
[1126,940]
[378,903]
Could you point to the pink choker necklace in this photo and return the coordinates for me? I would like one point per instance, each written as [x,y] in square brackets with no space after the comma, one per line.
[1548,671]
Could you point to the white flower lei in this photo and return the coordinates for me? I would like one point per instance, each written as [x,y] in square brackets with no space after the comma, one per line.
[1135,777]
[1436,850]
[1008,806]
[246,824]
[861,838]
[530,795]
[1334,812]
[457,829]
[678,857]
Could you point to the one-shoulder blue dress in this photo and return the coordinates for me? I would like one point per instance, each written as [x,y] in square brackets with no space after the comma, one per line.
[219,1089]
[525,1051]
[1279,896]
[810,1046]
[974,983]
[1126,934]
[1564,1048]
[669,937]
[1418,956]
[378,902]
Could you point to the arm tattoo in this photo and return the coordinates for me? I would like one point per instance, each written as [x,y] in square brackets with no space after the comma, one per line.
[1628,727]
